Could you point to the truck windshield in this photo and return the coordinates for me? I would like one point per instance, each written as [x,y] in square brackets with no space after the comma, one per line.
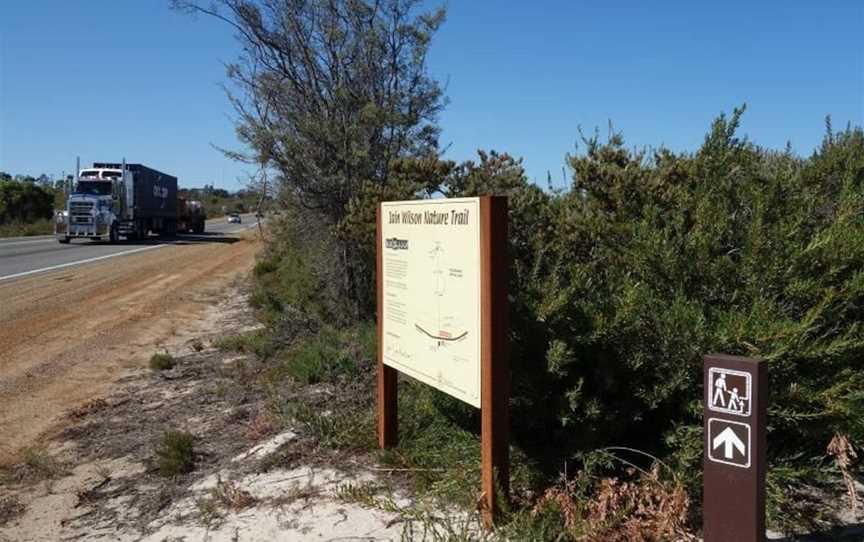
[94,188]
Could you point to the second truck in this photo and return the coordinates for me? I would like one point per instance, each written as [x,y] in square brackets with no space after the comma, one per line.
[114,200]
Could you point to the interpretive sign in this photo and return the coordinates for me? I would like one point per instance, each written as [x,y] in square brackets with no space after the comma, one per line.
[443,317]
[734,467]
[431,293]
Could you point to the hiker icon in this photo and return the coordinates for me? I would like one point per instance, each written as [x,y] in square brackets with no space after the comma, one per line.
[734,400]
[729,391]
[719,389]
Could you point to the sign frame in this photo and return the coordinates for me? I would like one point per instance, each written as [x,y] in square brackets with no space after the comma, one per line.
[494,356]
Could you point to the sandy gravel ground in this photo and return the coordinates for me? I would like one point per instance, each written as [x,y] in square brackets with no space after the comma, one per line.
[96,476]
[67,336]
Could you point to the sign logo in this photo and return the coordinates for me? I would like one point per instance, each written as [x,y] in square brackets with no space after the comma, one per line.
[160,191]
[729,391]
[396,244]
[729,442]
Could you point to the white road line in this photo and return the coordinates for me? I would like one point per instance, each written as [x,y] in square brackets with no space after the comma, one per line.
[79,262]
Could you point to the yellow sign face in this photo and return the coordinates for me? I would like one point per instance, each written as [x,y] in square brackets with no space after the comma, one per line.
[431,292]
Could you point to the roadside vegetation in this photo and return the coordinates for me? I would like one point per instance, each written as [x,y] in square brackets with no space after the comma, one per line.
[26,207]
[619,284]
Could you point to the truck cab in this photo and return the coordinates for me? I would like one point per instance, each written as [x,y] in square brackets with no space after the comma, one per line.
[94,208]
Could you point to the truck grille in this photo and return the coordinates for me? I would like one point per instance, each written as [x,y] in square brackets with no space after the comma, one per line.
[80,212]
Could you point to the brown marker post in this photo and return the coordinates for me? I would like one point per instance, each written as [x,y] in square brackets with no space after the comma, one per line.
[734,444]
[494,355]
[388,428]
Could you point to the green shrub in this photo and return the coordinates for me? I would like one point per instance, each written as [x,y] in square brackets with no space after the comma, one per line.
[175,454]
[651,261]
[162,361]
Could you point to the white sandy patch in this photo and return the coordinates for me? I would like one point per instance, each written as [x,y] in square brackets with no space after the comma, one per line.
[267,447]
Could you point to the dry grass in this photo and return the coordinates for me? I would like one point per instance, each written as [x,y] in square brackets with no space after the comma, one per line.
[37,465]
[10,508]
[841,449]
[260,426]
[232,497]
[88,408]
[644,509]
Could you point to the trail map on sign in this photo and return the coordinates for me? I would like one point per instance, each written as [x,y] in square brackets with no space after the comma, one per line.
[431,292]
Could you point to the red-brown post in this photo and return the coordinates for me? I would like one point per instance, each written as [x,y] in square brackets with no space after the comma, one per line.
[388,434]
[736,400]
[494,355]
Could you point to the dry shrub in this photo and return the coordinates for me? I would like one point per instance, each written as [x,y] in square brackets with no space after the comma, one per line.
[260,426]
[88,408]
[233,497]
[844,455]
[644,509]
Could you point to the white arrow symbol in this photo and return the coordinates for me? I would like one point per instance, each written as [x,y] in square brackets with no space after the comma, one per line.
[728,438]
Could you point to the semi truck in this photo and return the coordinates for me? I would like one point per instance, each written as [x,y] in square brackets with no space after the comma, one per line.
[114,200]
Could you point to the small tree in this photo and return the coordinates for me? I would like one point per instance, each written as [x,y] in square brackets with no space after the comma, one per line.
[330,93]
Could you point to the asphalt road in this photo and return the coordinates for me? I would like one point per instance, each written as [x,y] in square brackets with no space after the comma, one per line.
[25,256]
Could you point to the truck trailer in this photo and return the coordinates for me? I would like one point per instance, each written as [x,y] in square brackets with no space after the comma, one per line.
[113,200]
[191,216]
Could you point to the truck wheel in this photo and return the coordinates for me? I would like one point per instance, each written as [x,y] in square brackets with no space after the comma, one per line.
[112,235]
[64,240]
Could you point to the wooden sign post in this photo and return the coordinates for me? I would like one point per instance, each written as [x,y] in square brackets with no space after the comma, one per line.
[443,317]
[734,466]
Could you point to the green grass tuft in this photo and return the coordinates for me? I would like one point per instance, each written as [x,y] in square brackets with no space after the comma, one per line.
[255,342]
[175,454]
[162,361]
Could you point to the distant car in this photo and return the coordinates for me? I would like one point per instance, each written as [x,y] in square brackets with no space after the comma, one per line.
[234,218]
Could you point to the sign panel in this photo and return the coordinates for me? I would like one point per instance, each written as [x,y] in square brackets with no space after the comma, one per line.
[729,442]
[431,293]
[729,391]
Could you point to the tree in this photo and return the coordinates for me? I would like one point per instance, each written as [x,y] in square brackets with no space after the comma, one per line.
[330,94]
[331,91]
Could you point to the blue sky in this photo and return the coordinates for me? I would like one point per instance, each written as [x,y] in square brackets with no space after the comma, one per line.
[106,79]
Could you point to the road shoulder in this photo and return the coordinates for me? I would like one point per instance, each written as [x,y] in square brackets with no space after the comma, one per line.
[100,475]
